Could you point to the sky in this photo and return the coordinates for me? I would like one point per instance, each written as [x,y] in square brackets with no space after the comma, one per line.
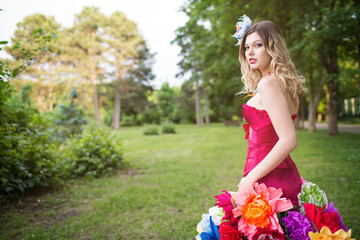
[157,21]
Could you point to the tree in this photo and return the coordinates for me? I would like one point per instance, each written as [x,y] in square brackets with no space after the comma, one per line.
[166,102]
[124,43]
[43,72]
[136,86]
[209,52]
[87,48]
[335,30]
[327,29]
[185,103]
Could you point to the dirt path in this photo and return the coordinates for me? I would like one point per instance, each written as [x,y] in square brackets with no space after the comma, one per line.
[341,127]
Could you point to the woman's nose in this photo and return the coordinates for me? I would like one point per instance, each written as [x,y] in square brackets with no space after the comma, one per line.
[251,51]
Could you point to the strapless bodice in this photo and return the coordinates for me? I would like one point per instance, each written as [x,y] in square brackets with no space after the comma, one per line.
[261,137]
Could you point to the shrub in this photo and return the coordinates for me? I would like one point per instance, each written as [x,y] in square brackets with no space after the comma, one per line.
[93,153]
[126,120]
[168,128]
[68,119]
[150,130]
[26,161]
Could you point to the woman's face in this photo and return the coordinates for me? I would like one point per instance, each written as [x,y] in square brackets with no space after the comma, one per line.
[256,54]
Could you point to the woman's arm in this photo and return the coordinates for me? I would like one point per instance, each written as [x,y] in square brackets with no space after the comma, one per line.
[272,96]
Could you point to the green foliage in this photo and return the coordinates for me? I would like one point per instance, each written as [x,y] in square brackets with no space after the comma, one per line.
[166,98]
[167,127]
[126,120]
[150,130]
[26,160]
[69,118]
[316,32]
[25,93]
[94,153]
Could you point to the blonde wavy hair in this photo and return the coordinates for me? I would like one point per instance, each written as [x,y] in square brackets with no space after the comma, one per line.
[280,65]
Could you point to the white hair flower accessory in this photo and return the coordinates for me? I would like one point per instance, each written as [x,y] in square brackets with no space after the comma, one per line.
[241,27]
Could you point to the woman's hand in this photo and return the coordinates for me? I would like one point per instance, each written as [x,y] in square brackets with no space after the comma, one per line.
[245,182]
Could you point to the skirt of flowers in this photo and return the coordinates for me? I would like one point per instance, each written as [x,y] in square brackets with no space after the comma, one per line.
[262,213]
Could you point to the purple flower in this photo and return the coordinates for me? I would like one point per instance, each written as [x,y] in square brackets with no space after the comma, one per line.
[298,226]
[331,208]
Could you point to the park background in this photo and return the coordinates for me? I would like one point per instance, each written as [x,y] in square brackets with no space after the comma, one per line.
[85,120]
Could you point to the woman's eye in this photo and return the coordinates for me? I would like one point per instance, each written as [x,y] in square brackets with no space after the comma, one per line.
[258,45]
[246,48]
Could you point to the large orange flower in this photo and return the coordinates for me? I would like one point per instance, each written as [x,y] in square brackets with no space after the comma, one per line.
[256,211]
[258,207]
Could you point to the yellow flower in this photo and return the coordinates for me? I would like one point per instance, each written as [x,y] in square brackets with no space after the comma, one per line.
[325,234]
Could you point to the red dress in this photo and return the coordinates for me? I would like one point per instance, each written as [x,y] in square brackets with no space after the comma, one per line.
[262,137]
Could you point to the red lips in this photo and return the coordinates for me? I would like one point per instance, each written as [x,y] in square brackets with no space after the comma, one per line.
[252,60]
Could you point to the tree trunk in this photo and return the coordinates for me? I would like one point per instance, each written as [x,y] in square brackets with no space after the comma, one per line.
[93,78]
[333,87]
[329,60]
[51,102]
[199,120]
[314,100]
[41,100]
[51,88]
[206,102]
[312,116]
[117,110]
[299,121]
[95,95]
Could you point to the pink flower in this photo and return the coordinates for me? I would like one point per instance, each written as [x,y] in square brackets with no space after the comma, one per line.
[303,180]
[224,202]
[258,207]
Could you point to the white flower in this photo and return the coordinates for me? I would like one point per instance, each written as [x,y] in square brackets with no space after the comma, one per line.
[311,193]
[216,214]
[241,27]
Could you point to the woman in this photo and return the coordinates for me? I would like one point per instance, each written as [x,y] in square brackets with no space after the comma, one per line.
[269,73]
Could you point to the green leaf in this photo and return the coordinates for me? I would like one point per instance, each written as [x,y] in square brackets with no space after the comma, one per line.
[3,42]
[16,45]
[36,31]
[15,72]
[4,180]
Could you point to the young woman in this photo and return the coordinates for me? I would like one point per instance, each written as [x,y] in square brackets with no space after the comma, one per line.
[268,72]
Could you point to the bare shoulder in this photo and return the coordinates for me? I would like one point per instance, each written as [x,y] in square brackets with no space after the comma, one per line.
[270,82]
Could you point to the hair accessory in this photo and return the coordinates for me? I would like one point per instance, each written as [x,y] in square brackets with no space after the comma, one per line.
[241,27]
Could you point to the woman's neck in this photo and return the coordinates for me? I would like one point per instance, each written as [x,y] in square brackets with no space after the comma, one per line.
[265,72]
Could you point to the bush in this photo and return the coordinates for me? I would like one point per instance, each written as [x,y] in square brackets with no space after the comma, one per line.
[68,119]
[168,128]
[93,153]
[26,159]
[151,130]
[126,120]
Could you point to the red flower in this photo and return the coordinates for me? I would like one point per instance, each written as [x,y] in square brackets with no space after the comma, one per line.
[321,218]
[266,234]
[228,232]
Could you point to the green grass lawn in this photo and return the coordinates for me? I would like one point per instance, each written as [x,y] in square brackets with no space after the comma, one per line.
[171,183]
